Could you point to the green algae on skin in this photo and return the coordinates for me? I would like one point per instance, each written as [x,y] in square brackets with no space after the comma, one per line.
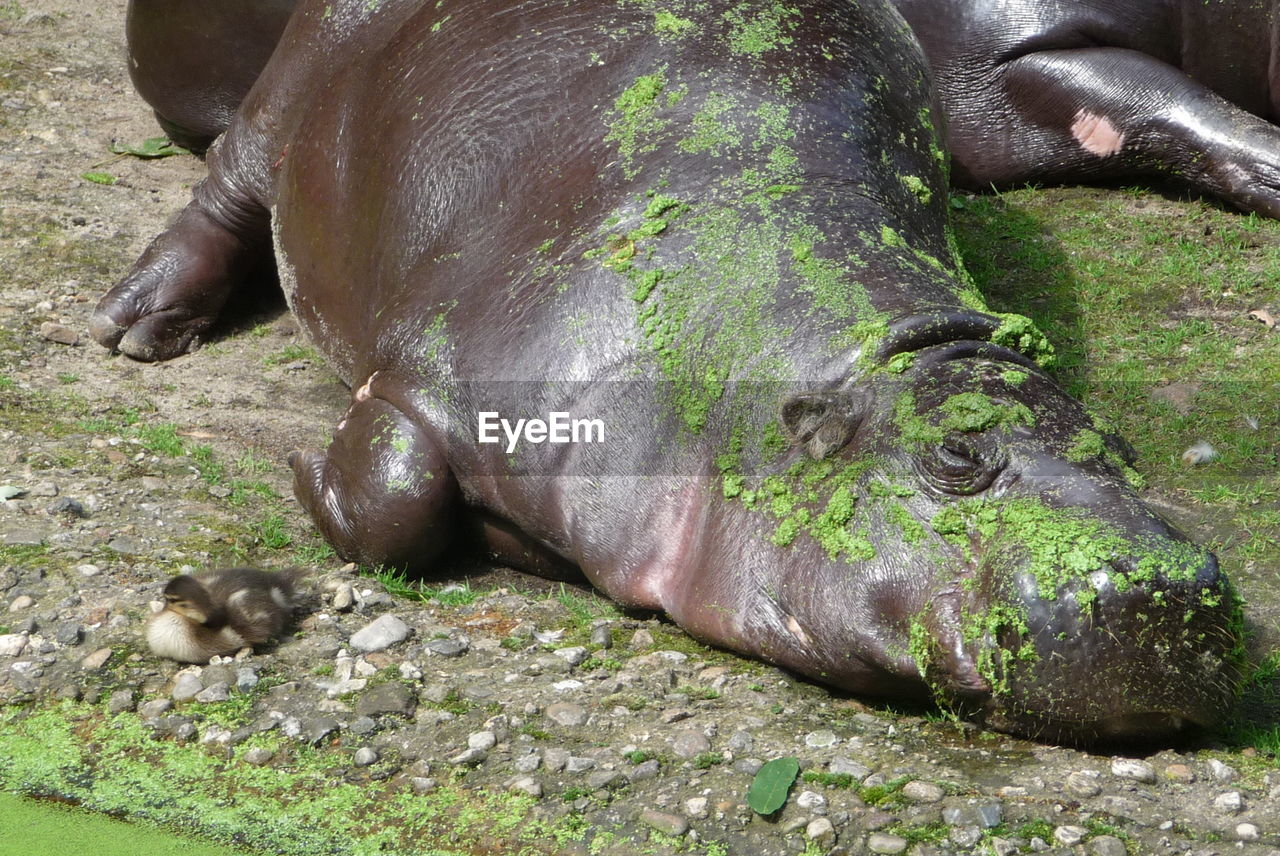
[917,187]
[669,25]
[1085,445]
[1019,333]
[1063,546]
[635,124]
[964,412]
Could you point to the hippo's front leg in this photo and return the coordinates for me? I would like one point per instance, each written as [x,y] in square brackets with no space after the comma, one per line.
[1112,112]
[177,288]
[382,492]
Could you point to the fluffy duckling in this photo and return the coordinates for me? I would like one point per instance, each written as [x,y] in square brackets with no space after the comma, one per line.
[219,612]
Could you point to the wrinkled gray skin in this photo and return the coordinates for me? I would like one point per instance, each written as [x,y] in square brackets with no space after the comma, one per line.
[714,238]
[1080,90]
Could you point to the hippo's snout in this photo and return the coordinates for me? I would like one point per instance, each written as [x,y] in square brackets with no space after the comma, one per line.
[1137,648]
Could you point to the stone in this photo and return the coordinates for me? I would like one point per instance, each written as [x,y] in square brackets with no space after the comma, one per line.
[67,506]
[468,758]
[215,693]
[154,708]
[665,822]
[482,740]
[13,644]
[1106,845]
[554,759]
[642,771]
[574,656]
[447,647]
[821,739]
[365,757]
[246,679]
[965,837]
[641,639]
[1070,836]
[848,767]
[1247,832]
[1128,768]
[886,844]
[186,686]
[21,602]
[1083,784]
[605,780]
[527,785]
[68,634]
[923,792]
[121,701]
[59,333]
[1229,803]
[579,764]
[1179,773]
[602,636]
[690,743]
[380,634]
[392,697]
[821,831]
[566,713]
[696,807]
[258,756]
[811,801]
[1222,772]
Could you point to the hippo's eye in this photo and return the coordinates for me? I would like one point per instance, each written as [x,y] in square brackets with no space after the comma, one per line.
[959,466]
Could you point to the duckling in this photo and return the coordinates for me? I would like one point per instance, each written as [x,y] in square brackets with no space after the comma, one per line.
[219,612]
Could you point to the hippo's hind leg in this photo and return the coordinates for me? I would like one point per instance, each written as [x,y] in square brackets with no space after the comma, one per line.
[1096,113]
[382,493]
[179,285]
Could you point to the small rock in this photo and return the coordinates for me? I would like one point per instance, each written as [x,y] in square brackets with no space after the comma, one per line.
[641,639]
[602,636]
[1003,846]
[97,659]
[527,763]
[154,708]
[320,728]
[468,758]
[21,602]
[447,647]
[643,771]
[59,333]
[821,831]
[527,785]
[379,634]
[820,739]
[923,792]
[365,757]
[605,780]
[990,815]
[344,598]
[848,767]
[664,822]
[696,807]
[121,701]
[1222,772]
[1083,784]
[1069,836]
[1127,768]
[554,760]
[1179,773]
[1229,803]
[579,764]
[1106,845]
[392,697]
[689,743]
[68,506]
[12,644]
[1247,832]
[215,693]
[482,740]
[186,686]
[811,801]
[886,844]
[88,570]
[566,713]
[258,756]
[422,784]
[573,656]
[966,837]
[246,679]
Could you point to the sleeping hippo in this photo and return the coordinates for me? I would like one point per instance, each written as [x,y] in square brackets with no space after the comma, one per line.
[666,295]
[1080,90]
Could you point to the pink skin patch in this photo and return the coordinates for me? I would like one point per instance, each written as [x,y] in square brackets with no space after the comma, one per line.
[1096,134]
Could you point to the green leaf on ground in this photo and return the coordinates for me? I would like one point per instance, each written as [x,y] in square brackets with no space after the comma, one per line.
[155,147]
[772,783]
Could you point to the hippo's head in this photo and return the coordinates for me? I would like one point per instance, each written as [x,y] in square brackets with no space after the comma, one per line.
[992,527]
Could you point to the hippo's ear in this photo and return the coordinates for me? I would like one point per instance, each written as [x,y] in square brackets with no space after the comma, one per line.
[821,422]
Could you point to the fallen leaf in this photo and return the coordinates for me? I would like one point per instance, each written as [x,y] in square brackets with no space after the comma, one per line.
[155,147]
[1264,316]
[772,783]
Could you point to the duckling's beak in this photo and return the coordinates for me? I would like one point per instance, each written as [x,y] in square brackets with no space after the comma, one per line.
[187,610]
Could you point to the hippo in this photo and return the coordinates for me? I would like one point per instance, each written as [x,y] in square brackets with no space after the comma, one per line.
[193,61]
[1084,90]
[666,295]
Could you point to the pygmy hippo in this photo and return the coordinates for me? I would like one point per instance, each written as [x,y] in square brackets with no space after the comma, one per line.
[713,235]
[1079,90]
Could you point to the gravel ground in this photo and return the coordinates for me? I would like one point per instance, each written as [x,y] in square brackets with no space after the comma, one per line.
[603,732]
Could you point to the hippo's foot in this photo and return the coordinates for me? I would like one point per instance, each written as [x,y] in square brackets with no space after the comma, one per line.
[1097,113]
[175,290]
[382,492]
